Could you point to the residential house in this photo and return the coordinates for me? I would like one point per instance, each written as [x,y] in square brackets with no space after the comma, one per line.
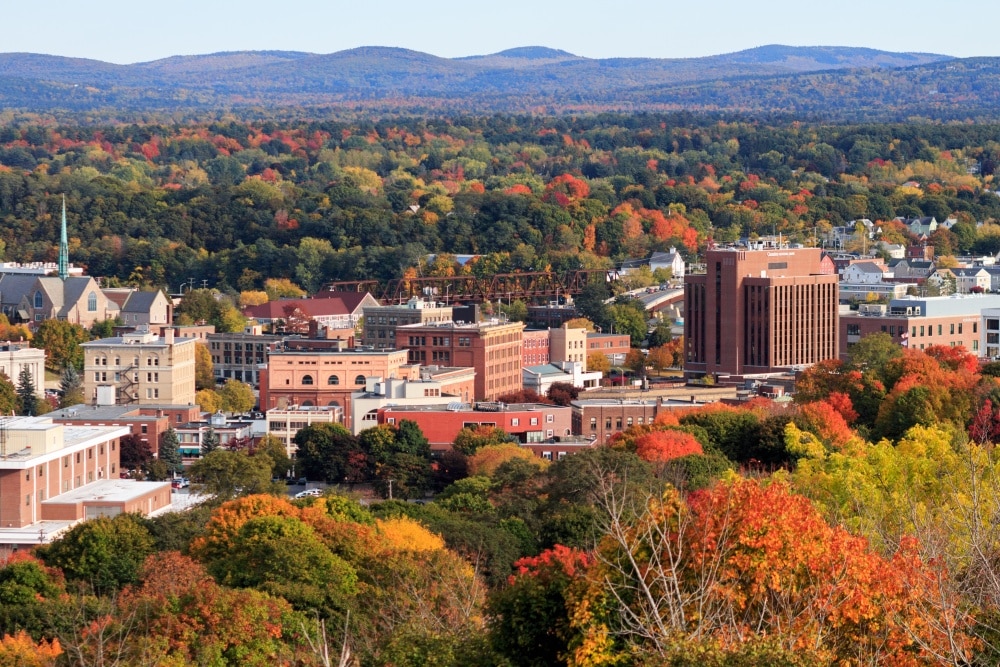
[973,279]
[865,273]
[668,260]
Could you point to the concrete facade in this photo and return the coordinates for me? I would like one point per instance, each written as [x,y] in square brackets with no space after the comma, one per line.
[568,345]
[15,357]
[380,322]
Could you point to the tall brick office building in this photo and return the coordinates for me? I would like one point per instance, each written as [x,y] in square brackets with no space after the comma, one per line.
[759,311]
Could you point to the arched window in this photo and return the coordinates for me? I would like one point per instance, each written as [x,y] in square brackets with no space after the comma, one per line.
[334,404]
[307,379]
[333,379]
[92,302]
[38,299]
[359,380]
[307,404]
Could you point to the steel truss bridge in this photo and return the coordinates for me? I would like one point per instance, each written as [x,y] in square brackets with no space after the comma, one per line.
[524,286]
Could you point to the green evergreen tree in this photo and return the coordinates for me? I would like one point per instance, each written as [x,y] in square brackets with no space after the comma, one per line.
[209,442]
[71,385]
[27,399]
[8,395]
[170,452]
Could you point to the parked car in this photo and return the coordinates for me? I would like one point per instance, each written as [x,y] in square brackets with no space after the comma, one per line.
[181,483]
[309,493]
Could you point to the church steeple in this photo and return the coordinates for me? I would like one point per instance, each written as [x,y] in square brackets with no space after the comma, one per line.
[63,245]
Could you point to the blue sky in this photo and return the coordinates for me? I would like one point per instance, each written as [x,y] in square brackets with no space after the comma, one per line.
[125,32]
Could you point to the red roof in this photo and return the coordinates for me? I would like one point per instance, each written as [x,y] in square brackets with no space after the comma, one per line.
[280,309]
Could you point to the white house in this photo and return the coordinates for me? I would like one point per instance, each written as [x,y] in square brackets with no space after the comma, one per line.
[668,260]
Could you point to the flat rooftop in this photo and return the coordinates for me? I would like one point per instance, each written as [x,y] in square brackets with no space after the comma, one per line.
[107,490]
[482,408]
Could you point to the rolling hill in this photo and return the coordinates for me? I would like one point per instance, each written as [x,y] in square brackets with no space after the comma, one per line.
[830,81]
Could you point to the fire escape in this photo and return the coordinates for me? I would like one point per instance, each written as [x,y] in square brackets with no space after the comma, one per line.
[128,380]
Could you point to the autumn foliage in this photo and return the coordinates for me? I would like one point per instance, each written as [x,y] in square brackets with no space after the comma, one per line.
[660,446]
[748,562]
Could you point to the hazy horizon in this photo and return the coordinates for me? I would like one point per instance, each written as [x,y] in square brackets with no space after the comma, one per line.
[112,31]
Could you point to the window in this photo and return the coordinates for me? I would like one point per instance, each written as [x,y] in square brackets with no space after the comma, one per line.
[359,380]
[38,299]
[92,302]
[534,421]
[940,327]
[307,379]
[960,328]
[333,379]
[975,327]
[593,423]
[515,422]
[549,419]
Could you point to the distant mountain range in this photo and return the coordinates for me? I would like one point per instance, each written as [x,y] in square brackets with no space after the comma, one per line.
[836,82]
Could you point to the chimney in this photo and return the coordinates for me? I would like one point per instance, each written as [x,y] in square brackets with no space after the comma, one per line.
[168,336]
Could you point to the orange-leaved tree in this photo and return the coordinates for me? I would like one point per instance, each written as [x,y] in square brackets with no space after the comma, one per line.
[747,568]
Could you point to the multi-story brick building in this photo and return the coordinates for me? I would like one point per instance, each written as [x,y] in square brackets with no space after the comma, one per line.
[493,348]
[535,347]
[921,322]
[60,473]
[381,321]
[614,346]
[599,419]
[320,377]
[759,311]
[441,423]
[139,368]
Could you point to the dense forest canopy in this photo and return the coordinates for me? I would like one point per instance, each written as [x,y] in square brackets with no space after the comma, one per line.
[236,202]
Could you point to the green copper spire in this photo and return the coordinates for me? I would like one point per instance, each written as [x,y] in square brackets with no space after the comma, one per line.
[63,246]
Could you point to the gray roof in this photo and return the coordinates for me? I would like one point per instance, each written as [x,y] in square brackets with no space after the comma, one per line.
[867,267]
[942,306]
[14,286]
[140,302]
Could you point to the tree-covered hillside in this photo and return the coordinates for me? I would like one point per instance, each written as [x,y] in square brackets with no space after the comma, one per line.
[236,202]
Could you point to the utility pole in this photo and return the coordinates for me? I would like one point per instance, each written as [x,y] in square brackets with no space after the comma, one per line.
[390,489]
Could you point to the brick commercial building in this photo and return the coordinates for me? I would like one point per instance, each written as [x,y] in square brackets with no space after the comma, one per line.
[441,423]
[919,323]
[139,368]
[568,345]
[759,311]
[599,419]
[535,347]
[237,355]
[614,346]
[326,377]
[493,348]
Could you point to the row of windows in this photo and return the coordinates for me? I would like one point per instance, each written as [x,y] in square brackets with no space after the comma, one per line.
[332,380]
[618,422]
[940,329]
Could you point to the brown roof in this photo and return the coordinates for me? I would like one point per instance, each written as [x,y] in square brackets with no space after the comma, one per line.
[276,310]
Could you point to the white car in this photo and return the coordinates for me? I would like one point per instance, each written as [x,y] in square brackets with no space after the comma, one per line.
[309,492]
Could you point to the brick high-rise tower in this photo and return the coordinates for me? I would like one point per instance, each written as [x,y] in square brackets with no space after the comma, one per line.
[759,311]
